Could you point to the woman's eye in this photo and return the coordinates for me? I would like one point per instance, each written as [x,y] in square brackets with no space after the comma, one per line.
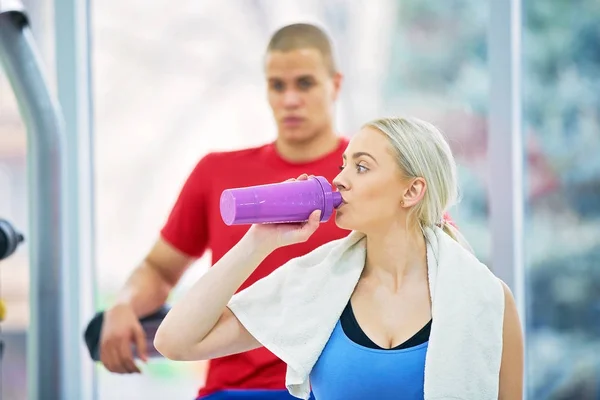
[361,168]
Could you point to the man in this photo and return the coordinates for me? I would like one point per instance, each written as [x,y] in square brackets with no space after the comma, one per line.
[303,86]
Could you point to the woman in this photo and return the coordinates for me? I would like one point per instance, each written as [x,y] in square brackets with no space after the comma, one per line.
[397,180]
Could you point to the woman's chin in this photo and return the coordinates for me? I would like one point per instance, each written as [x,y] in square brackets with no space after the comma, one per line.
[341,222]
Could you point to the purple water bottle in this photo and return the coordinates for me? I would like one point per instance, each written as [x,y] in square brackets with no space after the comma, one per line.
[283,202]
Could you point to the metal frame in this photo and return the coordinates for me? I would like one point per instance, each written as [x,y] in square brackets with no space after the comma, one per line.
[73,82]
[46,151]
[60,232]
[505,148]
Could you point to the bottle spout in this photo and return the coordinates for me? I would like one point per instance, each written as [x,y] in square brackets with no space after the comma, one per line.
[337,199]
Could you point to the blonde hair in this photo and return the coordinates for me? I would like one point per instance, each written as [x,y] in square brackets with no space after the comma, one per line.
[422,151]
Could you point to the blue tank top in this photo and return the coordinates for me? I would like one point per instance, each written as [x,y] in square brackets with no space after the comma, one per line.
[346,370]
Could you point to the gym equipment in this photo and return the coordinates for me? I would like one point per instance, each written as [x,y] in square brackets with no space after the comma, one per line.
[149,323]
[10,239]
[54,367]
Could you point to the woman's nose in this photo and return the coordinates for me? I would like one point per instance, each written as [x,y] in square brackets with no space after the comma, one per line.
[339,183]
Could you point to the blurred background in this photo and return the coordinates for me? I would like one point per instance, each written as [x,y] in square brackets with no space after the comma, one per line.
[174,80]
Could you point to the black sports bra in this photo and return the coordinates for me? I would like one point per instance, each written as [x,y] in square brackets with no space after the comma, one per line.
[355,333]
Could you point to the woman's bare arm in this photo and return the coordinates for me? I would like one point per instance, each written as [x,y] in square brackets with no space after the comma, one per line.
[512,368]
[199,326]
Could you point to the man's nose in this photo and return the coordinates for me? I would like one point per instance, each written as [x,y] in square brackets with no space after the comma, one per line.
[291,99]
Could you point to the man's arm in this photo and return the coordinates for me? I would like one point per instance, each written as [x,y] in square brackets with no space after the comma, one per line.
[183,239]
[148,287]
[145,291]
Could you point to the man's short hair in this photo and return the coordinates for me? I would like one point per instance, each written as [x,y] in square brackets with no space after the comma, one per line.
[304,36]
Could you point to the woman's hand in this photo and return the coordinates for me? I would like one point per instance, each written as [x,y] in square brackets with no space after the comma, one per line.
[272,236]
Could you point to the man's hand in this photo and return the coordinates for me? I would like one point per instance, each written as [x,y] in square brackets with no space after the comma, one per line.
[120,331]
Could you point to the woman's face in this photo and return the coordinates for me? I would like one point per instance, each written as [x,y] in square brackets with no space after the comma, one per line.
[372,185]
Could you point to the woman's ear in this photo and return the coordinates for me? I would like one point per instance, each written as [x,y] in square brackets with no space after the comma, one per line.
[414,192]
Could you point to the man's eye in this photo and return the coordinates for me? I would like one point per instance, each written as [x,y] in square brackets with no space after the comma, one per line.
[277,86]
[305,84]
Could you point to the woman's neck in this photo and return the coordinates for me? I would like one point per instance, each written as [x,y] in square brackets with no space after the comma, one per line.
[395,254]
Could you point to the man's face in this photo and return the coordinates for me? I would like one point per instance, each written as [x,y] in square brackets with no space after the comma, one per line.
[302,93]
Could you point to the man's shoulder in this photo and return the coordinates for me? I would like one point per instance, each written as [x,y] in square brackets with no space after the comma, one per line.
[236,155]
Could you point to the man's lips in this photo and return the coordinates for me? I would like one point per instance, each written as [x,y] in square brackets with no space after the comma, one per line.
[292,121]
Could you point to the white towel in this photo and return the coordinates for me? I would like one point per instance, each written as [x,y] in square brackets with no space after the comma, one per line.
[293,311]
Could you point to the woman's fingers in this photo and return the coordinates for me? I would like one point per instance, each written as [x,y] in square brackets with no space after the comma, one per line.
[302,177]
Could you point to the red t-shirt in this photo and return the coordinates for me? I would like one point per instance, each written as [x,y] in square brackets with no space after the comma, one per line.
[195,225]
